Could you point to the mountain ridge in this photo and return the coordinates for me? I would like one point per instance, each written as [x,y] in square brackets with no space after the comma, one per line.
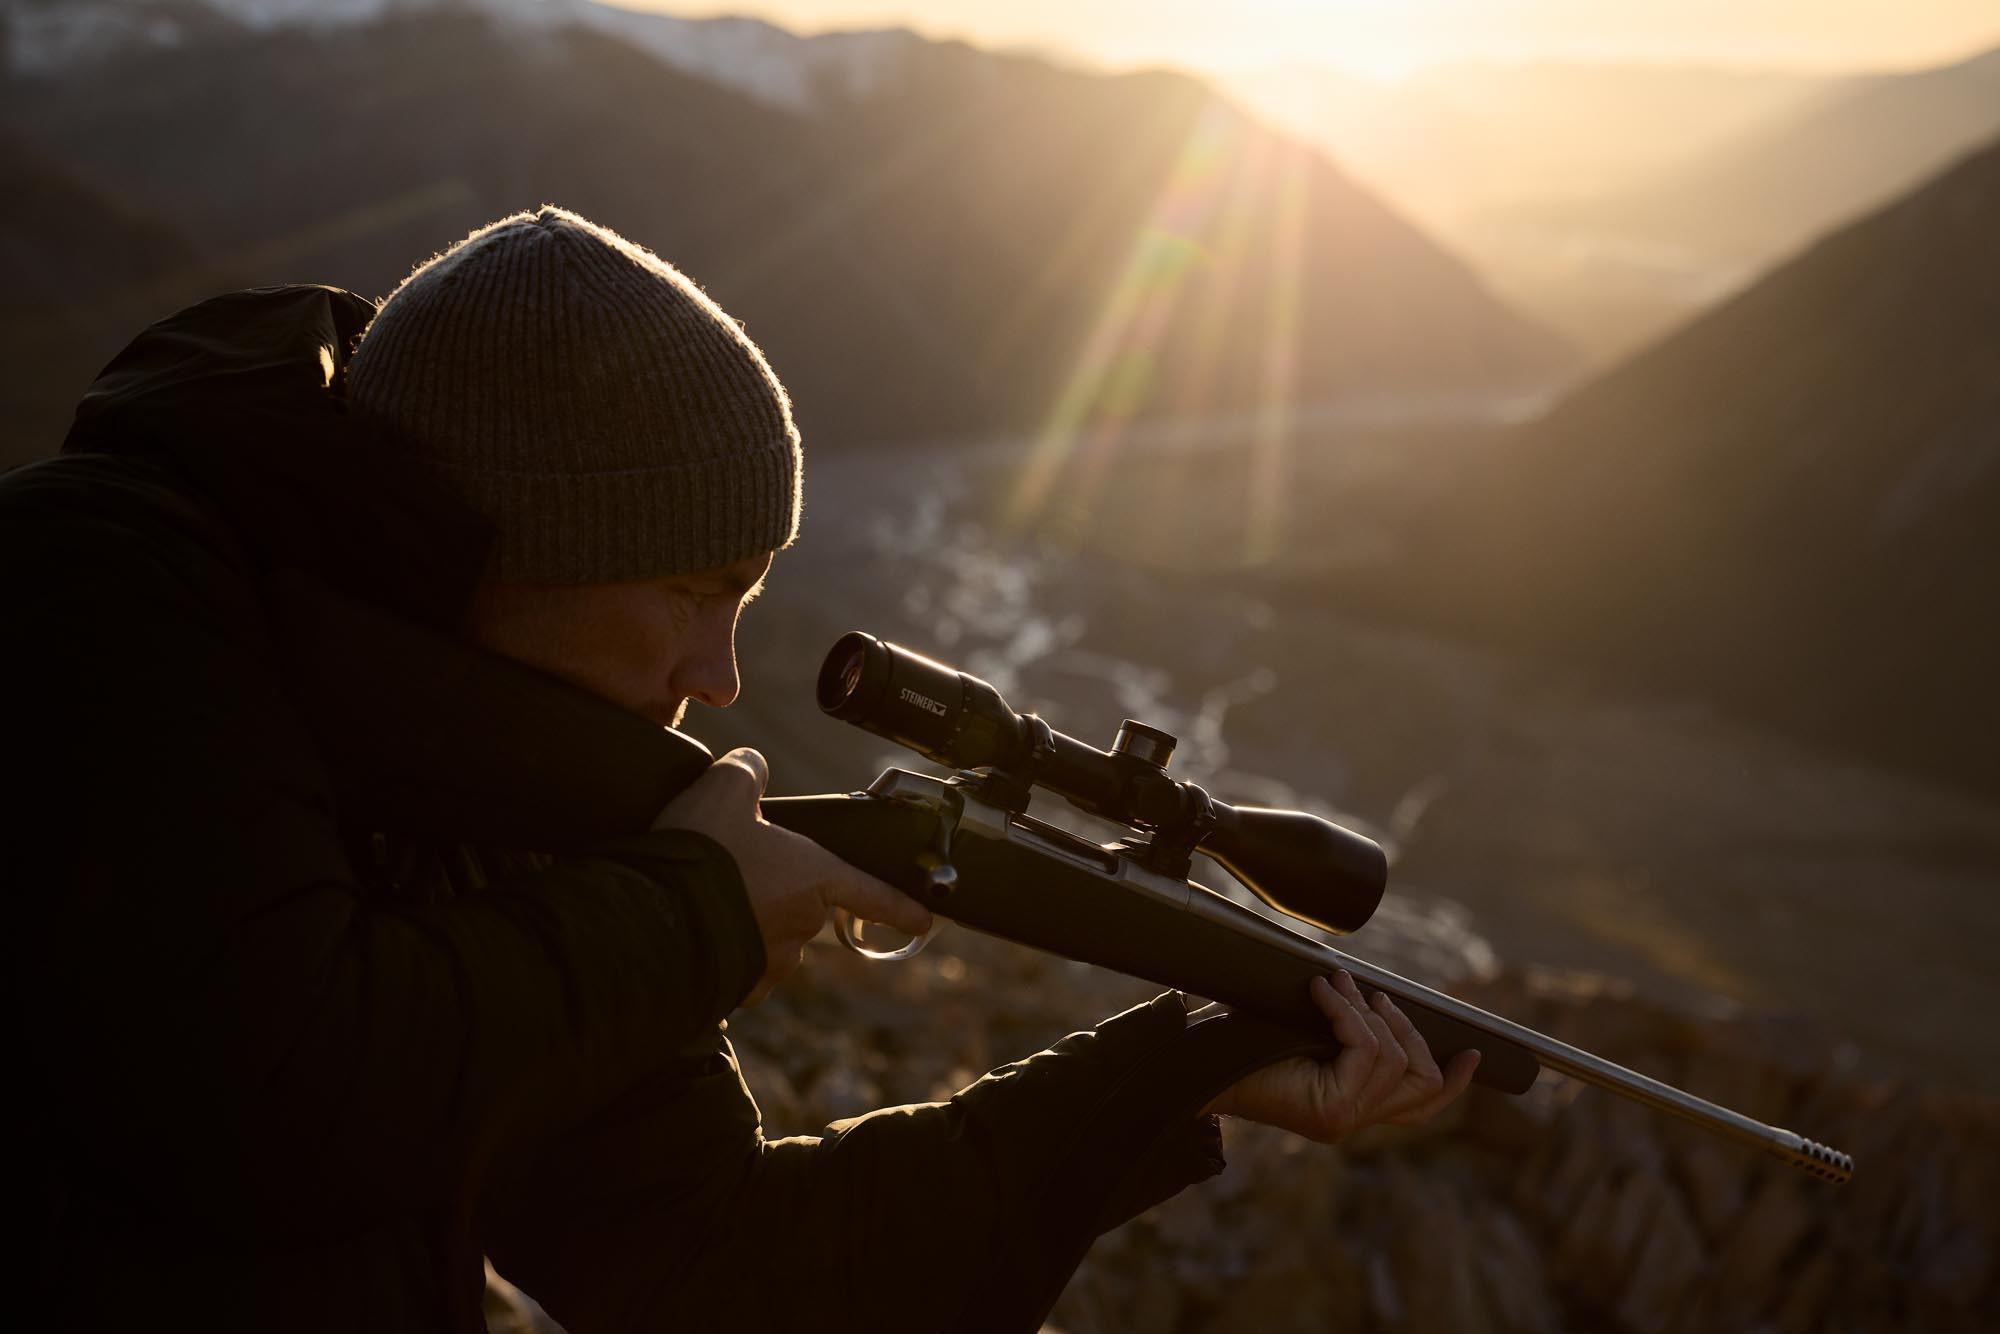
[914,274]
[751,55]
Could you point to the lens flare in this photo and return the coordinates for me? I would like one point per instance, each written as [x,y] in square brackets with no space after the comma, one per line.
[1212,269]
[1270,450]
[1117,373]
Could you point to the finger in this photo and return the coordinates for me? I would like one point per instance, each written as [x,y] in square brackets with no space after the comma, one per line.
[1421,1077]
[845,886]
[751,762]
[1390,1063]
[718,799]
[1458,1072]
[1408,1034]
[1390,1059]
[1349,988]
[1358,1043]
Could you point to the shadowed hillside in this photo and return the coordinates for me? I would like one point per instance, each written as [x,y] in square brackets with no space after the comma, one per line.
[1790,506]
[77,268]
[935,254]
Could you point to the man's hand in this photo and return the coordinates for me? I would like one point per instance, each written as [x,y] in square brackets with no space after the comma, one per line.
[791,880]
[1384,1072]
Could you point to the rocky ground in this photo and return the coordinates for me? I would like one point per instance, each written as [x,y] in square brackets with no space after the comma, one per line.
[1563,1210]
[1566,1209]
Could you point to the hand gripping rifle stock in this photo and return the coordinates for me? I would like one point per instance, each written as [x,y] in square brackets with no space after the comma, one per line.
[425,735]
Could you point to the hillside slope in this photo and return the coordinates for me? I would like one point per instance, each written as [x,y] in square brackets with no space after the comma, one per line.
[76,267]
[1792,506]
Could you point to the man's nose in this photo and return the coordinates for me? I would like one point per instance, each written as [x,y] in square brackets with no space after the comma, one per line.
[711,676]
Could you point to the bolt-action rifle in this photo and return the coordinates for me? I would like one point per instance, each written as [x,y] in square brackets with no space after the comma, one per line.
[426,735]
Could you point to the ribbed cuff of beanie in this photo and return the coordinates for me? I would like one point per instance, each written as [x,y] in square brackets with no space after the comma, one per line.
[609,527]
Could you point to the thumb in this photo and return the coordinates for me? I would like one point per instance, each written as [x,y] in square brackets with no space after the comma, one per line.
[727,790]
[751,762]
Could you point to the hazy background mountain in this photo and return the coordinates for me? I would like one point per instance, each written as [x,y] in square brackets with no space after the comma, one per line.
[1777,183]
[1615,201]
[1452,141]
[874,220]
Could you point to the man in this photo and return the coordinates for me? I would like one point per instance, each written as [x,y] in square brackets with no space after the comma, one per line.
[285,1071]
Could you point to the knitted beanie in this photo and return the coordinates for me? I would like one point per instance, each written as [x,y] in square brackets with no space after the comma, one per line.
[588,399]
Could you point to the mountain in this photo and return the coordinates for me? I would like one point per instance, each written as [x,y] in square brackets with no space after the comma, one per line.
[1770,189]
[931,241]
[44,37]
[65,241]
[1791,506]
[1453,141]
[1616,201]
[76,267]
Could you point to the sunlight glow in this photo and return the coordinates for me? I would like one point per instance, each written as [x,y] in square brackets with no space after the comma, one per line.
[1230,215]
[1270,450]
[1116,375]
[1388,39]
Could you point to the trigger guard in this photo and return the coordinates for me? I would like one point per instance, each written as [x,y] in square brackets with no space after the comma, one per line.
[845,932]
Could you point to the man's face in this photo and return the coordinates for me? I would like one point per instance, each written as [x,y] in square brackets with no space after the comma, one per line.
[650,645]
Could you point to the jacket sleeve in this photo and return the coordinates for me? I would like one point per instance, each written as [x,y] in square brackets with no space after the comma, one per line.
[911,1218]
[219,1010]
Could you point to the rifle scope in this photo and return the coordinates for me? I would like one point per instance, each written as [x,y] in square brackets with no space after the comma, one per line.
[1305,867]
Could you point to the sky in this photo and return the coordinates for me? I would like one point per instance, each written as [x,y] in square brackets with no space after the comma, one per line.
[1390,38]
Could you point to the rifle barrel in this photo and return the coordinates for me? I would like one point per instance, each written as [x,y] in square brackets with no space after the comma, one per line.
[1808,1156]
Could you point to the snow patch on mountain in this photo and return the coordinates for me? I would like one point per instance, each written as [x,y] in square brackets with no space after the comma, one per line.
[750,56]
[754,57]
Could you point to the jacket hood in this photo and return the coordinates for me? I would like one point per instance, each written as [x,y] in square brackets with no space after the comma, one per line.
[243,395]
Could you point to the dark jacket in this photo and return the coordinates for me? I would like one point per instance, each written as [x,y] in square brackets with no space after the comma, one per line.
[276,1081]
